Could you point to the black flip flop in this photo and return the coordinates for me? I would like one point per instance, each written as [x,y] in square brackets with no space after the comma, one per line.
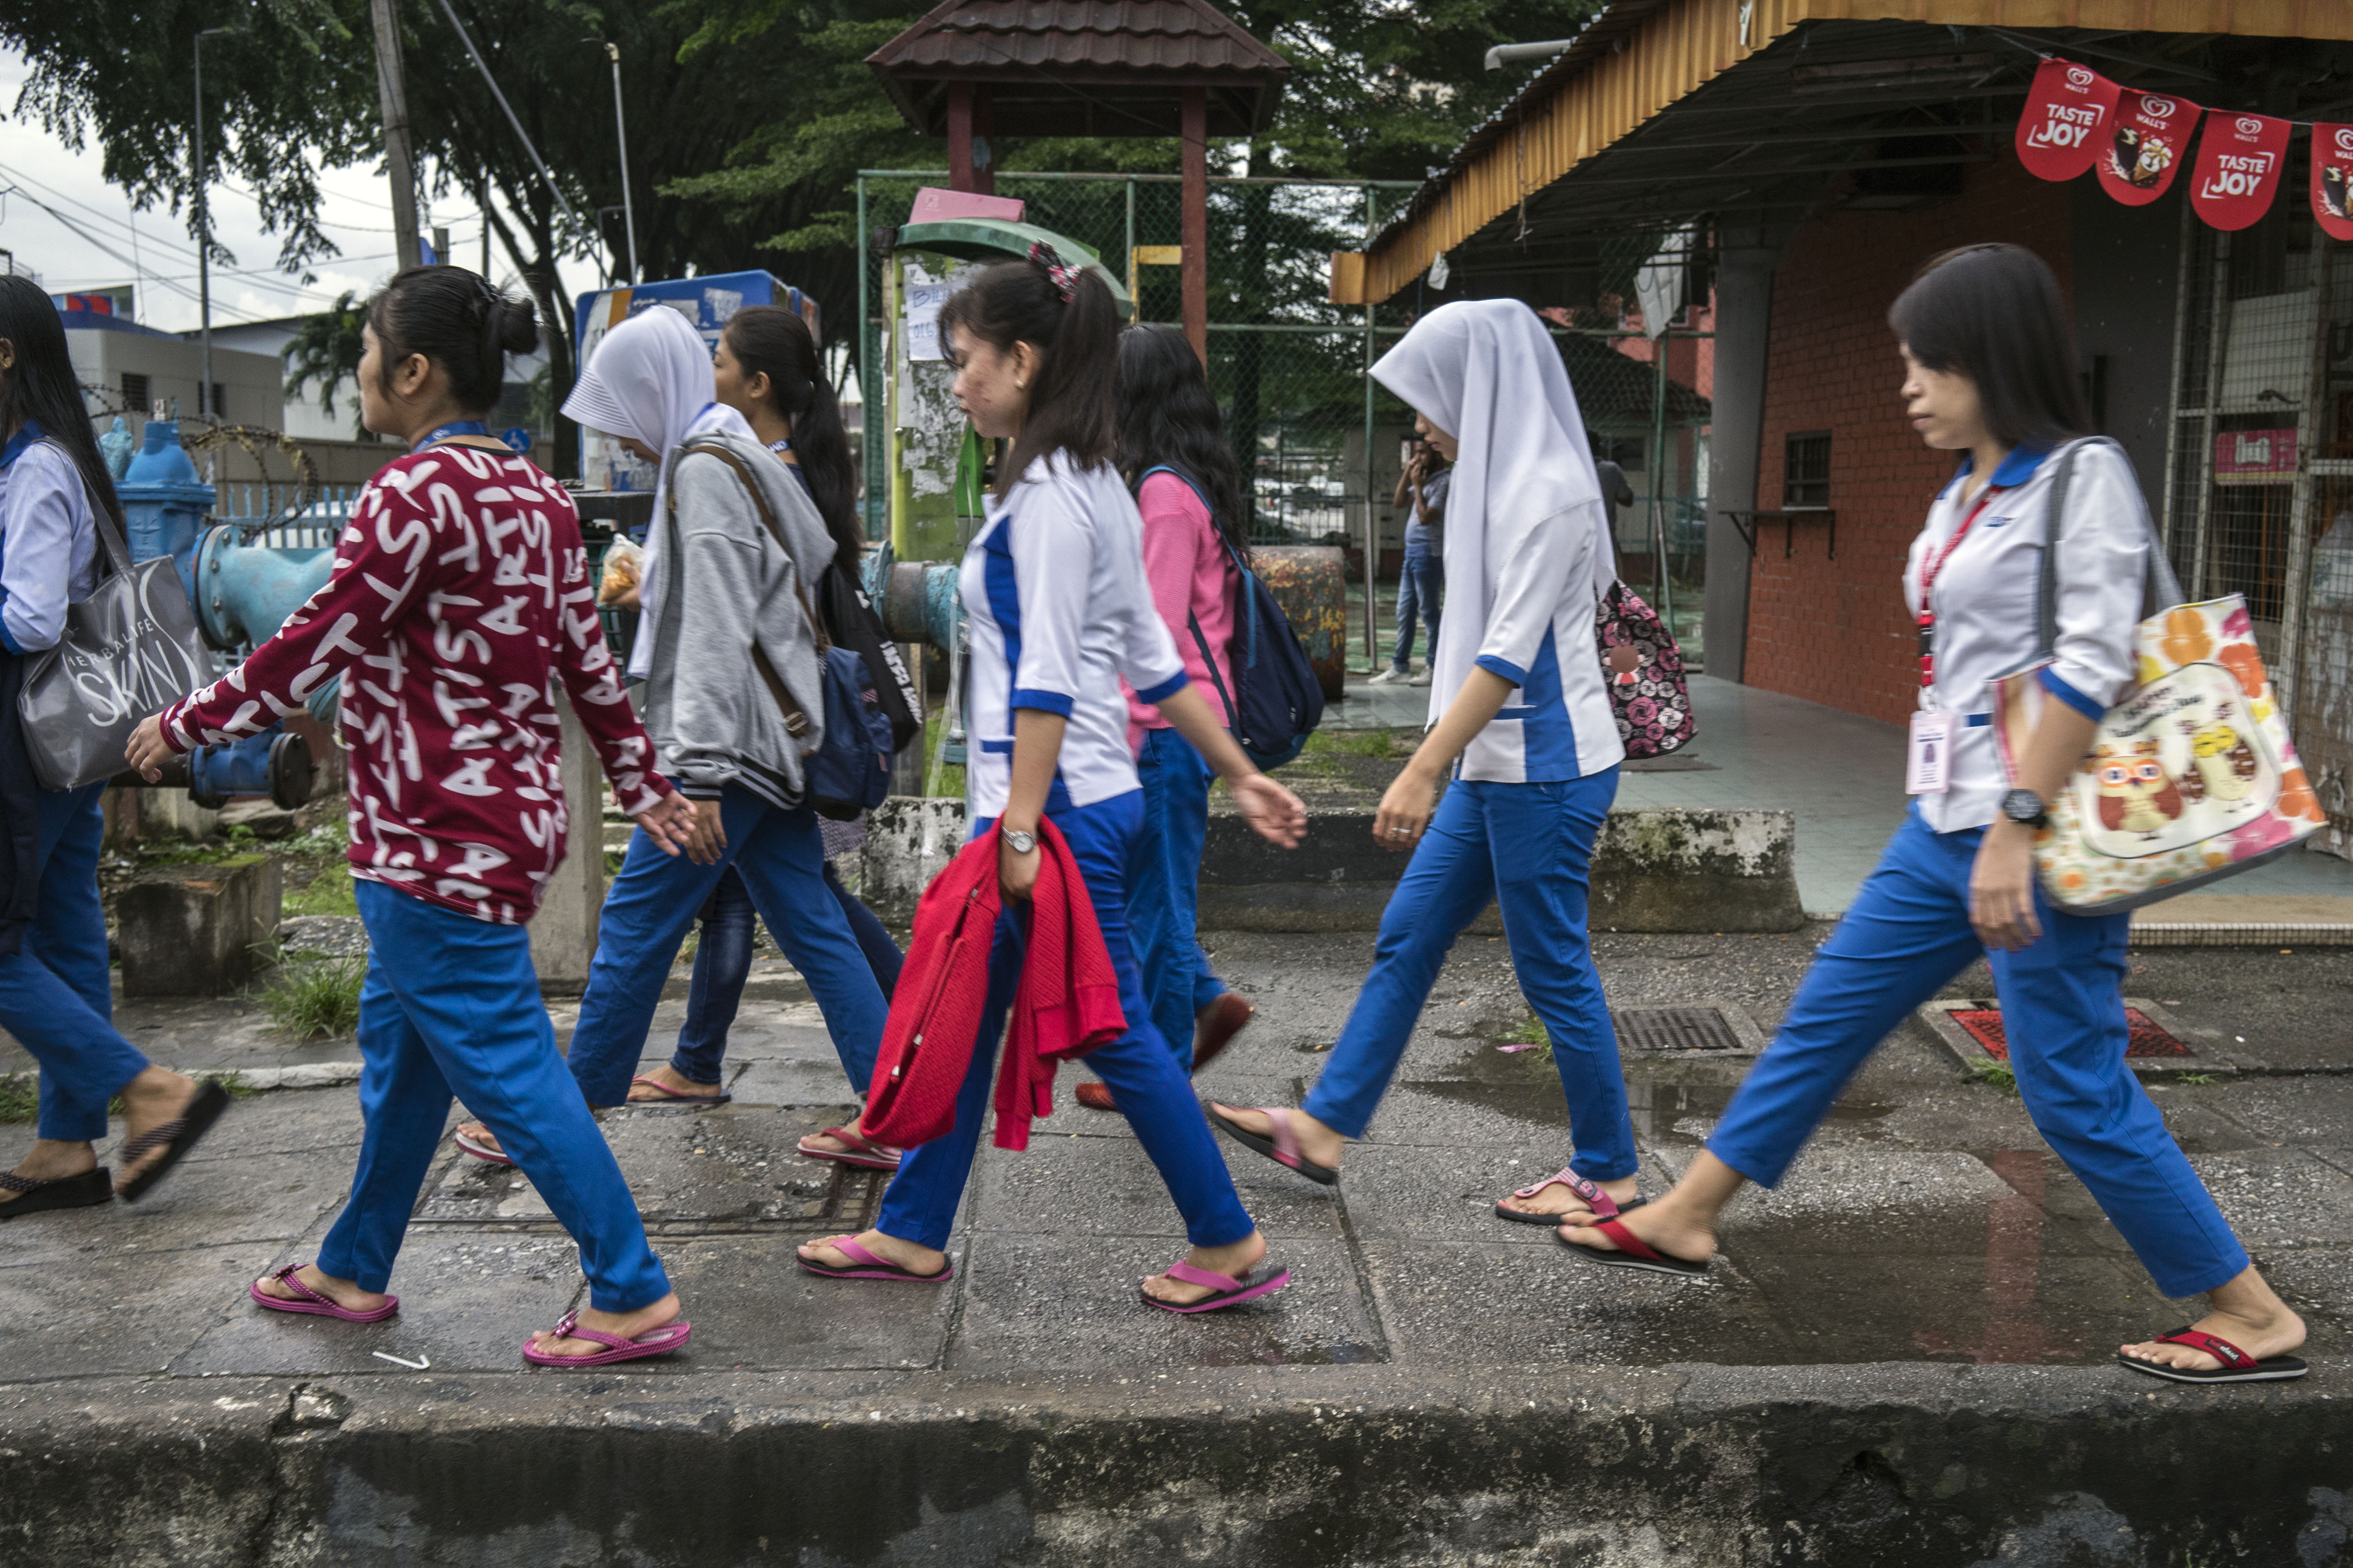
[1632,1252]
[85,1191]
[176,1138]
[1283,1148]
[2237,1366]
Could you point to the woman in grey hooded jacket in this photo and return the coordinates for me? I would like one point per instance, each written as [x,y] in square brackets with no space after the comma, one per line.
[733,699]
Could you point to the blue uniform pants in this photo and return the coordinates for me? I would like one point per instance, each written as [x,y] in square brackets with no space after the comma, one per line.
[1144,1078]
[722,963]
[451,1005]
[657,897]
[1164,884]
[1422,582]
[1904,939]
[56,993]
[1528,846]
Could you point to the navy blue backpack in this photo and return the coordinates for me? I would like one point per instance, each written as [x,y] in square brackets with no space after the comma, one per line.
[1277,701]
[850,770]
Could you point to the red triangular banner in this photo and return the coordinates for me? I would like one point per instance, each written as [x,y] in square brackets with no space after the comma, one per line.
[2150,144]
[2070,113]
[2240,160]
[2332,179]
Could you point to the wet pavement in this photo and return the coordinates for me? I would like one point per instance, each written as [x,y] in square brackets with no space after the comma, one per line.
[1926,1224]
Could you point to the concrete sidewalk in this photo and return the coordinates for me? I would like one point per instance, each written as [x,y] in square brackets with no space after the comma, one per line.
[1927,1227]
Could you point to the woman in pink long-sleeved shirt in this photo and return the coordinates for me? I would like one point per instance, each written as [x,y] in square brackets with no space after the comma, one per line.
[1174,452]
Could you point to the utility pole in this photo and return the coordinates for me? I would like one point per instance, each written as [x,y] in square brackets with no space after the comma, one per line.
[204,241]
[399,164]
[621,129]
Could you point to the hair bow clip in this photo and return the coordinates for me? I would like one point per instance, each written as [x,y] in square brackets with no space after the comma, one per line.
[1064,277]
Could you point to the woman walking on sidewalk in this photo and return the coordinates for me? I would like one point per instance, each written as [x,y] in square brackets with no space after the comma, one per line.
[1989,364]
[460,591]
[1188,491]
[1060,610]
[1518,698]
[56,995]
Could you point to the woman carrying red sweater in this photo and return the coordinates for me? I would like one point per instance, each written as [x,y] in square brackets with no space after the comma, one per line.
[460,593]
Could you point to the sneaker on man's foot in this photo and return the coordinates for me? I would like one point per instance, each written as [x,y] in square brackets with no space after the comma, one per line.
[1389,677]
[1421,677]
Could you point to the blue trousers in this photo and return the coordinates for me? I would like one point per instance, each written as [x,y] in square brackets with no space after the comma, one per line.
[1528,846]
[657,897]
[451,1005]
[56,995]
[1904,939]
[1151,1089]
[1164,888]
[722,963]
[1422,582]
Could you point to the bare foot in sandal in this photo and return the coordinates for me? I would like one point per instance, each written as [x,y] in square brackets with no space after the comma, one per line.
[680,1087]
[1558,1197]
[620,1325]
[909,1258]
[2247,1314]
[156,1097]
[1667,1227]
[1317,1142]
[1234,1261]
[343,1293]
[477,1139]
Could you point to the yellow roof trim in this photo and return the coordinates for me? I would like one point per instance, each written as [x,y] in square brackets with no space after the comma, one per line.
[1689,43]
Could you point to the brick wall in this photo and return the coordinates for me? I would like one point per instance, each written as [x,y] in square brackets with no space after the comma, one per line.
[1835,631]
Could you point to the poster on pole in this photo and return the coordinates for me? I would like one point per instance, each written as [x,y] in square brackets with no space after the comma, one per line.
[2150,143]
[2241,160]
[2069,115]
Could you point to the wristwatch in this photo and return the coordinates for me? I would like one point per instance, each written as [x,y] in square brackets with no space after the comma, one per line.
[2025,807]
[1023,842]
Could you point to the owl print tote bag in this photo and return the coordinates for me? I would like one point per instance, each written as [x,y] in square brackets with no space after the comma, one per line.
[2191,777]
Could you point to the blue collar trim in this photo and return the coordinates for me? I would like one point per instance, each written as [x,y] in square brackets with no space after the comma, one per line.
[2014,471]
[23,437]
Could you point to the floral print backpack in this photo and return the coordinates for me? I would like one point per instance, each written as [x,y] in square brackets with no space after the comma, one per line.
[1642,670]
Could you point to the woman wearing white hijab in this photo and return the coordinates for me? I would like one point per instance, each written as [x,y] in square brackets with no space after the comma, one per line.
[1516,695]
[732,700]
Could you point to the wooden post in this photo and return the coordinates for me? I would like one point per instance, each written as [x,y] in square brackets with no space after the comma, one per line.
[960,170]
[1195,274]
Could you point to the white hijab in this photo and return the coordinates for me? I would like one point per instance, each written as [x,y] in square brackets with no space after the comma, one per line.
[1487,373]
[650,380]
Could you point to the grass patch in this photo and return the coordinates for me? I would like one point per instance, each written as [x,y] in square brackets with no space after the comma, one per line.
[316,997]
[2197,1080]
[20,1096]
[330,892]
[1992,1075]
[1528,1031]
[1350,743]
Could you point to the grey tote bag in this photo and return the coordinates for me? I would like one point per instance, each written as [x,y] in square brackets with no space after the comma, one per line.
[129,651]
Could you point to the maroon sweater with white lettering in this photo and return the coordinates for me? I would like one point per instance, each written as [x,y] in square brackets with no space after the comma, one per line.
[459,589]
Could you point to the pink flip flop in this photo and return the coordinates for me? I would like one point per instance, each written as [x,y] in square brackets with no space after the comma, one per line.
[863,1152]
[870,1265]
[311,1301]
[669,1096]
[1603,1205]
[1225,1290]
[481,1151]
[655,1341]
[1283,1148]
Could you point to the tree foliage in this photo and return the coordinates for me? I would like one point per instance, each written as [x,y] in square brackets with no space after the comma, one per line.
[326,349]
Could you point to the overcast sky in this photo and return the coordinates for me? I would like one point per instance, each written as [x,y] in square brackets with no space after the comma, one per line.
[92,240]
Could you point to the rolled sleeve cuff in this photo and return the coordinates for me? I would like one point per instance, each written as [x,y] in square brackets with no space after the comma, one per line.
[1045,701]
[173,724]
[8,640]
[2089,707]
[1165,689]
[1502,666]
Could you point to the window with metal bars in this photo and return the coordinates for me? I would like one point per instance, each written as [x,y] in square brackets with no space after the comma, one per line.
[1806,468]
[134,393]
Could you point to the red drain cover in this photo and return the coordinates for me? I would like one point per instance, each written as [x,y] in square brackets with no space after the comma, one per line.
[1984,1026]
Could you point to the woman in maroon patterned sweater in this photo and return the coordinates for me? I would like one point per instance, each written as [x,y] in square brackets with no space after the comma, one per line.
[460,594]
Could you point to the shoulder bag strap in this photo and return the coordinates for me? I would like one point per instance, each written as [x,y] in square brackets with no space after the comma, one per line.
[2159,588]
[796,719]
[113,551]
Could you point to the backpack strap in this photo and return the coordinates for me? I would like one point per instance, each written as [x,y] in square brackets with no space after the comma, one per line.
[2159,587]
[1248,604]
[796,719]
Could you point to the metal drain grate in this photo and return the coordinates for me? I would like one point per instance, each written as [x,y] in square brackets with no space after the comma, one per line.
[1674,1030]
[854,1197]
[2147,1037]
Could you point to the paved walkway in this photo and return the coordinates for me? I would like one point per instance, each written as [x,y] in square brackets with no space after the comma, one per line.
[1844,776]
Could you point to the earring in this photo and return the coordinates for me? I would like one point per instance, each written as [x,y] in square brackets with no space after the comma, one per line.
[1021,385]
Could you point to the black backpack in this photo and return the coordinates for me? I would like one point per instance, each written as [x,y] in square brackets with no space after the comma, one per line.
[849,619]
[1277,701]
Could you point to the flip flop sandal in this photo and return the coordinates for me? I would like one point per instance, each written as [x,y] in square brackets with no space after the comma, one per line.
[1094,1097]
[1218,1024]
[1225,1290]
[174,1137]
[867,1264]
[309,1300]
[1632,1252]
[2237,1366]
[655,1341]
[1603,1205]
[84,1191]
[485,1152]
[1283,1148]
[667,1095]
[862,1152]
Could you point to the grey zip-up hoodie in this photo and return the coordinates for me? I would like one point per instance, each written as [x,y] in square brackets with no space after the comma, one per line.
[730,587]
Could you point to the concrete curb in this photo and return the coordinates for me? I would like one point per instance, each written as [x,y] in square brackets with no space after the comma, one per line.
[1674,1467]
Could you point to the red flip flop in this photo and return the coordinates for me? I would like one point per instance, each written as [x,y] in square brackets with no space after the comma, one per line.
[654,1341]
[868,1264]
[482,1152]
[862,1152]
[310,1301]
[1602,1204]
[1632,1252]
[2237,1366]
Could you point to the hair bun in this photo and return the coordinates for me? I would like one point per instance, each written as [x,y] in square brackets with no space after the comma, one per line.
[518,325]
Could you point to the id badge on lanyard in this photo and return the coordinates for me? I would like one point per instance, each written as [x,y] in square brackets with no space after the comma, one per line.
[1928,753]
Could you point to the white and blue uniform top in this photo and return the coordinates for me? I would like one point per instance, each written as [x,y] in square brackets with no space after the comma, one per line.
[1058,609]
[48,541]
[1526,540]
[1986,617]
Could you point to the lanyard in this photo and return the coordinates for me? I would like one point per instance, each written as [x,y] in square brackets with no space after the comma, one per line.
[444,432]
[781,444]
[1929,571]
